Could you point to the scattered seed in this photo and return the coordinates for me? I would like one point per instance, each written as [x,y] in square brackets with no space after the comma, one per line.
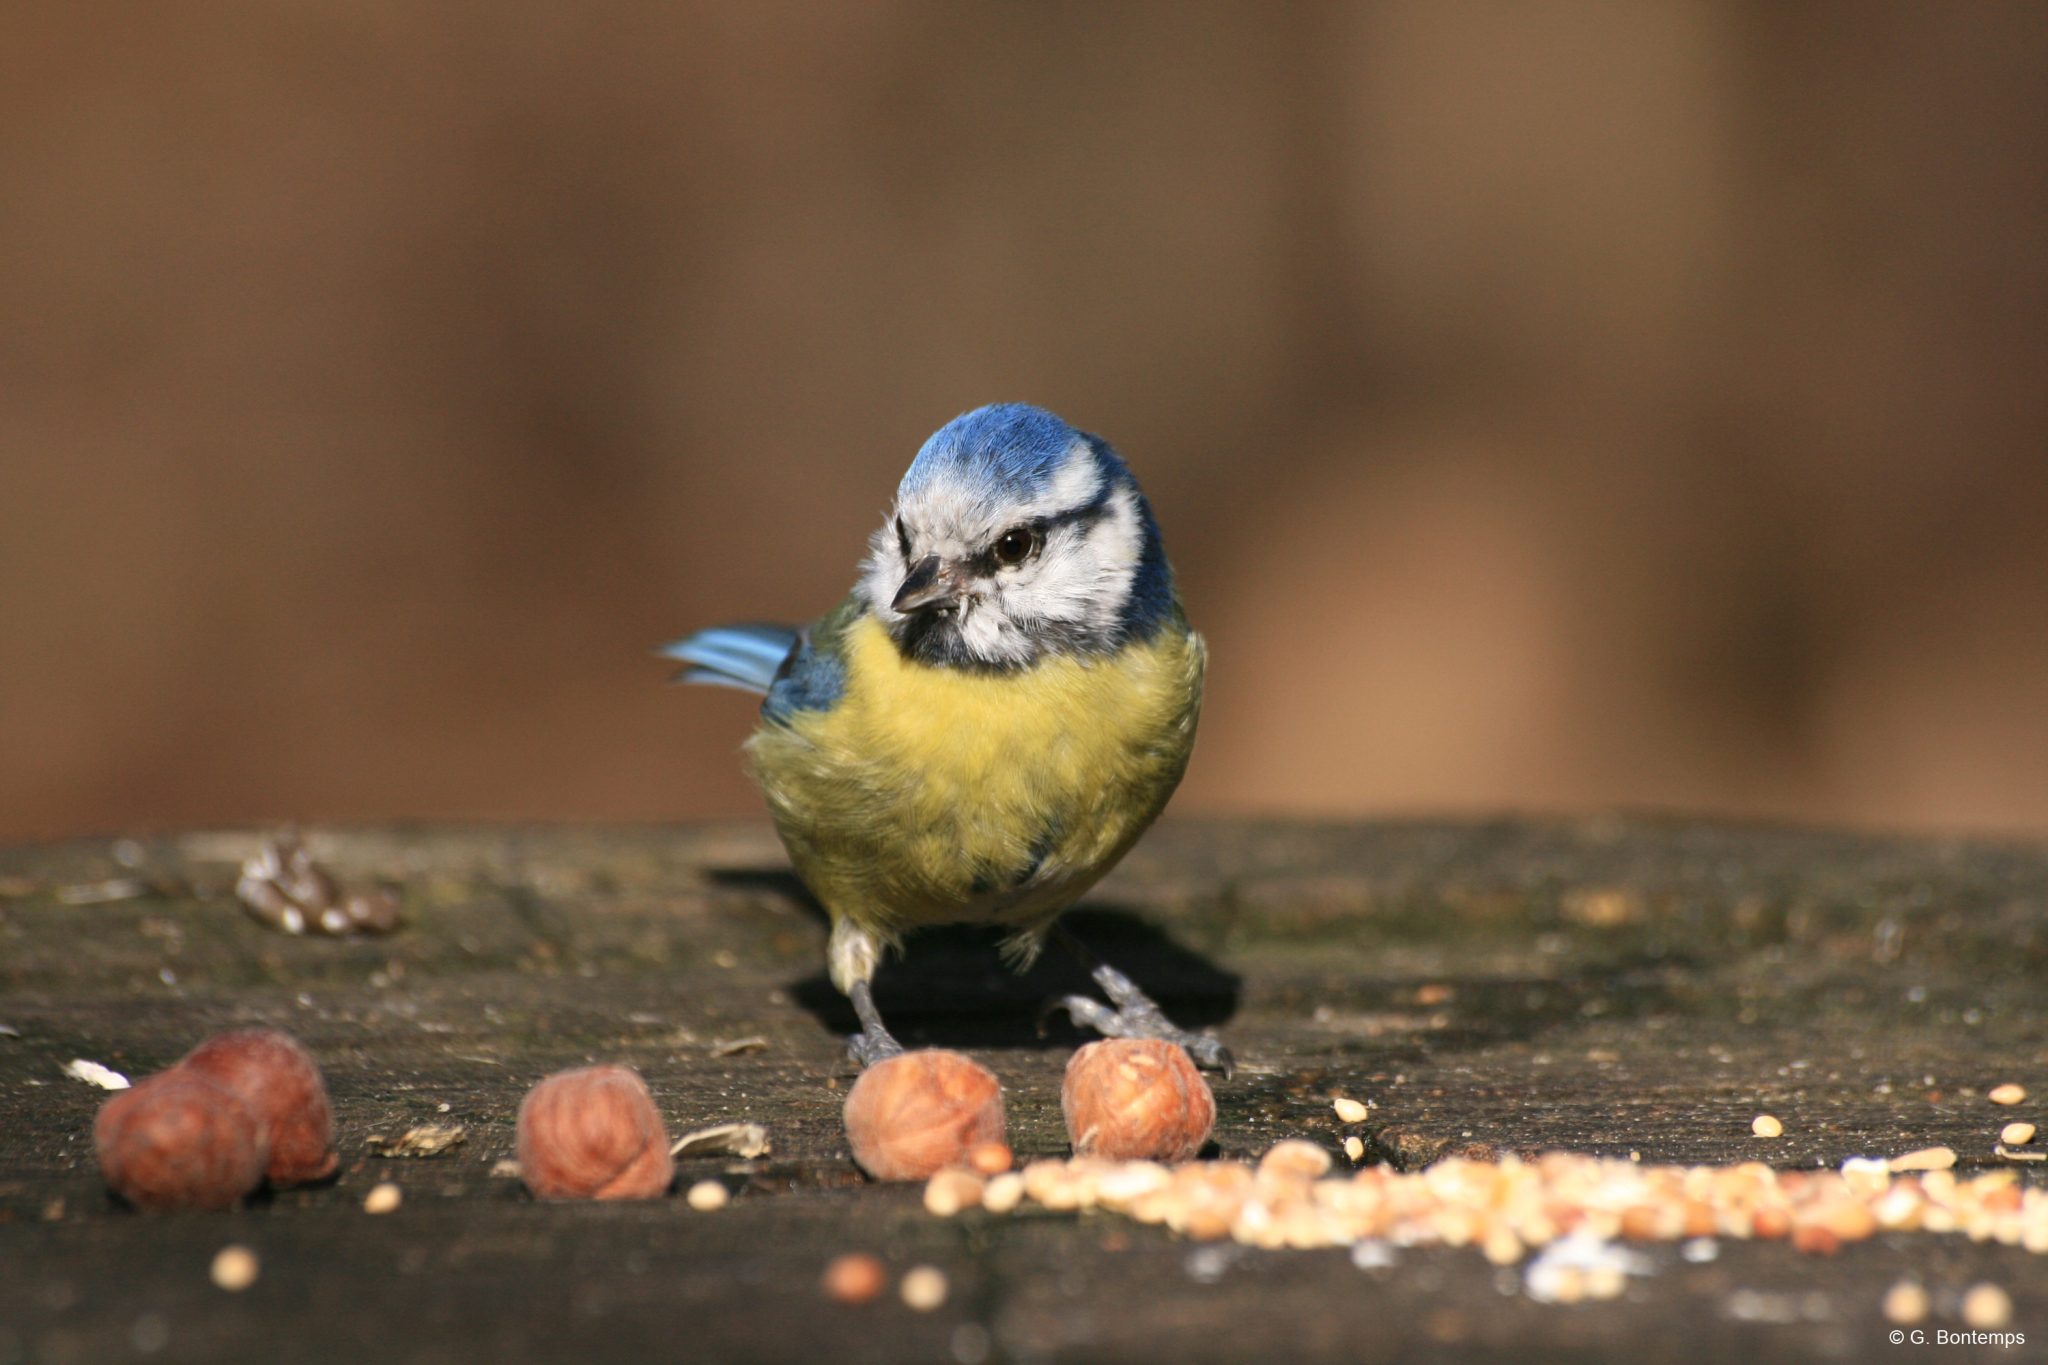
[1505,1206]
[1349,1110]
[1766,1126]
[235,1268]
[1906,1303]
[951,1190]
[2007,1093]
[855,1277]
[706,1195]
[1354,1148]
[1295,1159]
[2016,1134]
[1986,1307]
[1003,1192]
[384,1197]
[924,1288]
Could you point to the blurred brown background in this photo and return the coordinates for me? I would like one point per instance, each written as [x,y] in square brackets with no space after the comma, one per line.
[1549,407]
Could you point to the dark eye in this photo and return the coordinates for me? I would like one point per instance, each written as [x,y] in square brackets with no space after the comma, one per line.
[903,537]
[1015,545]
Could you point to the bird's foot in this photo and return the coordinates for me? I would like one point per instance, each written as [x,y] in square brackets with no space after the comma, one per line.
[1136,1016]
[874,1043]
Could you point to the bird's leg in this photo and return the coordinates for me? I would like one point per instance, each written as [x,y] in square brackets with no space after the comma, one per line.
[874,1043]
[1135,1014]
[852,955]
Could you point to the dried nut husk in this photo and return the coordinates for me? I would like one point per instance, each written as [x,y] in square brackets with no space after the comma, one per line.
[593,1133]
[281,1085]
[179,1141]
[917,1112]
[1136,1098]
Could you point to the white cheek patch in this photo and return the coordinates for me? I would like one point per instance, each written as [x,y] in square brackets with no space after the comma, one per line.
[1083,576]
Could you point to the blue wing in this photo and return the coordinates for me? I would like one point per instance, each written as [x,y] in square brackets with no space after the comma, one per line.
[746,656]
[795,670]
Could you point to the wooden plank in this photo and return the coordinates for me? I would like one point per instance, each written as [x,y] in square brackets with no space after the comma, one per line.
[1606,986]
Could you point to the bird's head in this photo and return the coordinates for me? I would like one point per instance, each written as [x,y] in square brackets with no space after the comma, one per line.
[1015,536]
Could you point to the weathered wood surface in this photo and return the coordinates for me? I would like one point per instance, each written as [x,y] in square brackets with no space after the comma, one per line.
[1606,986]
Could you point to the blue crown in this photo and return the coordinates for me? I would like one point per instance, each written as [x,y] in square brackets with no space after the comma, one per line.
[1009,449]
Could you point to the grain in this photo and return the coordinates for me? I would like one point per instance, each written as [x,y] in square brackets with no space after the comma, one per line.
[235,1268]
[1906,1303]
[924,1288]
[1986,1307]
[708,1195]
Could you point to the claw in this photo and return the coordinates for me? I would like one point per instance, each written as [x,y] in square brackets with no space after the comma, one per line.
[865,1049]
[1139,1018]
[1210,1054]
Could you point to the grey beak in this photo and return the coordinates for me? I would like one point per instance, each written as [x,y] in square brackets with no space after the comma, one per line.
[925,587]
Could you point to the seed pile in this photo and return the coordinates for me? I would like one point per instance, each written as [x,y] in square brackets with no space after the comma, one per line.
[1508,1207]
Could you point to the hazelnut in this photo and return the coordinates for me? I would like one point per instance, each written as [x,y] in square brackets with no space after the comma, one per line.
[280,1083]
[1137,1098]
[593,1133]
[916,1112]
[179,1141]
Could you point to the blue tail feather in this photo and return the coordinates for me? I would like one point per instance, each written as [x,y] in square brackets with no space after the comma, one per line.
[746,656]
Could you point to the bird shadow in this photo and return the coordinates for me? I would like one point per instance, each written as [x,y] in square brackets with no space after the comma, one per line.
[951,988]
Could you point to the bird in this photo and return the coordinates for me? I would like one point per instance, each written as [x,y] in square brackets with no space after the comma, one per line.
[988,722]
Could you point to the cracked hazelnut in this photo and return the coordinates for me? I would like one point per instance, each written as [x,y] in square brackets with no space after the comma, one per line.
[179,1141]
[593,1133]
[281,1085]
[910,1115]
[1136,1098]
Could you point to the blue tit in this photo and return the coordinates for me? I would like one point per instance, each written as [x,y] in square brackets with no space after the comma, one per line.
[990,720]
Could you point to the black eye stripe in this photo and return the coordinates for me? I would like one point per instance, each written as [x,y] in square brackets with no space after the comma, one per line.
[1084,516]
[903,537]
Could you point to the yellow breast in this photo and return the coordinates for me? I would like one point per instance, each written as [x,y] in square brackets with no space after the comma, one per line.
[930,794]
